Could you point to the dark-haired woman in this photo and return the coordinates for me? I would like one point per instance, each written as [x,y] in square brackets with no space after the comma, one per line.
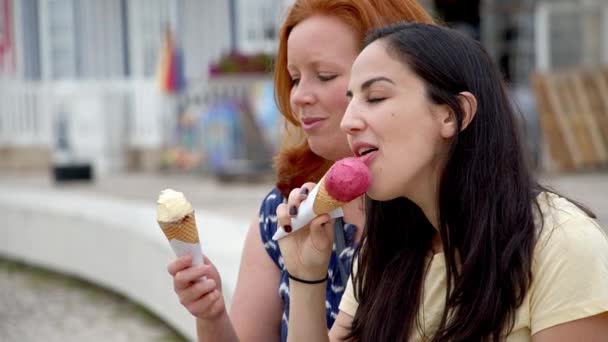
[461,243]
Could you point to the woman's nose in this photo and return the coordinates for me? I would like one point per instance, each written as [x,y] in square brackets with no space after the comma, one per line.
[351,122]
[302,94]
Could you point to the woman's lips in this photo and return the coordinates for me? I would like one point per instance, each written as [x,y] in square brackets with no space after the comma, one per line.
[311,123]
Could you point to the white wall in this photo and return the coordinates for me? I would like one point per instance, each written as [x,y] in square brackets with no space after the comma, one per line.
[113,243]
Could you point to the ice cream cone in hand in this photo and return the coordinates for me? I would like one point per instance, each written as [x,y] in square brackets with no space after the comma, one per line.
[175,216]
[346,180]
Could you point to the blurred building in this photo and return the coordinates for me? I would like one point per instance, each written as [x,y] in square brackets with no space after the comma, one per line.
[524,35]
[109,39]
[92,63]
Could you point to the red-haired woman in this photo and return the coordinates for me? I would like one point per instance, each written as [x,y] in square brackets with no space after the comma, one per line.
[318,43]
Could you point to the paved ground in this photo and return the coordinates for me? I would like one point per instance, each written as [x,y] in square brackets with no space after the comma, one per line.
[35,306]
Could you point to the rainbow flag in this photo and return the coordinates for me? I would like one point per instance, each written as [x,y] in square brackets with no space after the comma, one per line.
[170,73]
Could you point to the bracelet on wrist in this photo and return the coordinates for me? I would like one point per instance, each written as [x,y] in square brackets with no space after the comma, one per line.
[304,281]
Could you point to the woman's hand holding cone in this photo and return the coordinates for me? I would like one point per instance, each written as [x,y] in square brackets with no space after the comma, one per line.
[202,297]
[307,251]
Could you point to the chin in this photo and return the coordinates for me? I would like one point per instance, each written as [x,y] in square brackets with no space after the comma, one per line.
[318,147]
[379,195]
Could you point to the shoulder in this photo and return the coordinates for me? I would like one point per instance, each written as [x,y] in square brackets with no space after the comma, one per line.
[271,201]
[570,266]
[568,229]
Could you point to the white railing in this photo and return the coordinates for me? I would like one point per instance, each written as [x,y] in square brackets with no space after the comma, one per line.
[100,119]
[24,115]
[571,34]
[218,88]
[104,118]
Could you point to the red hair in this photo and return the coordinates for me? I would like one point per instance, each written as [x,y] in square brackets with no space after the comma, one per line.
[296,163]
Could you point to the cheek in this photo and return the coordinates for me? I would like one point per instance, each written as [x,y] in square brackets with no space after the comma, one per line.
[335,99]
[291,102]
[409,140]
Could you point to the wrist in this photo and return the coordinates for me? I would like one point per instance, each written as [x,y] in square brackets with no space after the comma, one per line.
[308,281]
[219,329]
[212,317]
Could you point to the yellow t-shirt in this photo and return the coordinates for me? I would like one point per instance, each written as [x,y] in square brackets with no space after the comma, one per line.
[570,276]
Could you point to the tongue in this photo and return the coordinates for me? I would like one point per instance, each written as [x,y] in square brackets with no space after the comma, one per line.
[369,151]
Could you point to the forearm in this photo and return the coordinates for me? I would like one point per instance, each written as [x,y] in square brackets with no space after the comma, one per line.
[220,330]
[307,312]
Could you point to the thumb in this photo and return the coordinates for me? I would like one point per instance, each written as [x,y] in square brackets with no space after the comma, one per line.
[213,269]
[322,228]
[206,260]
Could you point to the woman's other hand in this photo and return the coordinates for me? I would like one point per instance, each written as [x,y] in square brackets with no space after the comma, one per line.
[201,297]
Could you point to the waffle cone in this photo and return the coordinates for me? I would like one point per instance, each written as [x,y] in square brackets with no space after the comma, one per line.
[183,230]
[324,203]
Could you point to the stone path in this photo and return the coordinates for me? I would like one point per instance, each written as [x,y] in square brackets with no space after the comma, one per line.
[37,305]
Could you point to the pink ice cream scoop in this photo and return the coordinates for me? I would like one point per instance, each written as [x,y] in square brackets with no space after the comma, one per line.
[347,179]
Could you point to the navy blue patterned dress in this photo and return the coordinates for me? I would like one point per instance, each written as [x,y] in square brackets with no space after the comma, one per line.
[335,287]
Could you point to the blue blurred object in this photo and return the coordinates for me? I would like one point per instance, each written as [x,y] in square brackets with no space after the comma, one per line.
[266,114]
[242,133]
[222,136]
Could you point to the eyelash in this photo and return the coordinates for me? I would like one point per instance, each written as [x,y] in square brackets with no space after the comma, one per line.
[327,78]
[376,100]
[295,81]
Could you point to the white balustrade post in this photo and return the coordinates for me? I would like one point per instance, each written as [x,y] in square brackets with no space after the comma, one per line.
[541,37]
[604,33]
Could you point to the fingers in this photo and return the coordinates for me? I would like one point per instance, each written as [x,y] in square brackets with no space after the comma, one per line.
[208,306]
[200,296]
[322,231]
[203,299]
[179,264]
[285,211]
[185,277]
[196,291]
[296,196]
[320,222]
[283,217]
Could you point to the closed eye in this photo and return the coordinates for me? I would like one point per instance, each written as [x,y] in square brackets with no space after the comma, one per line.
[325,78]
[376,99]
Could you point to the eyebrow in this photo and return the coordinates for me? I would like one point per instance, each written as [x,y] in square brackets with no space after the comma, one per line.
[369,83]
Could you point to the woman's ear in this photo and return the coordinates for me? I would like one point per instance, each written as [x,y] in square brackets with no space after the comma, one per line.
[449,122]
[468,103]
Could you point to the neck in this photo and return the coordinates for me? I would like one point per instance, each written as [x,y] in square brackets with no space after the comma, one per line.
[436,246]
[431,213]
[426,195]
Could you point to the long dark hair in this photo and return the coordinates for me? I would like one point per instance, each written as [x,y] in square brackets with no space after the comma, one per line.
[487,203]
